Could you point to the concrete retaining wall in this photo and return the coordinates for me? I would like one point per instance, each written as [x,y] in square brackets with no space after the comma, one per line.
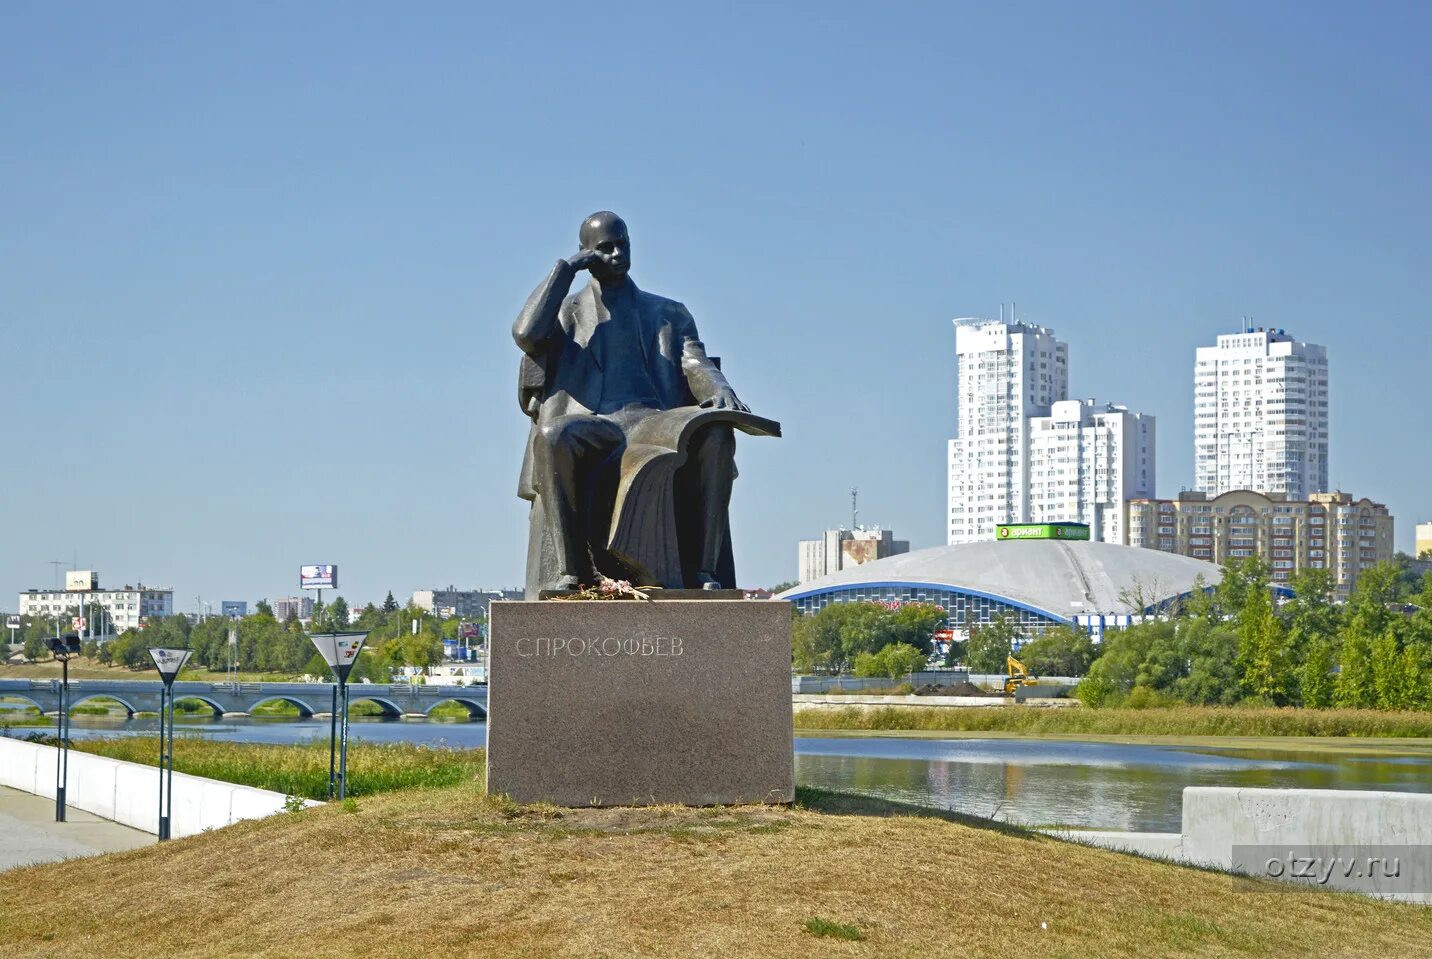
[128,793]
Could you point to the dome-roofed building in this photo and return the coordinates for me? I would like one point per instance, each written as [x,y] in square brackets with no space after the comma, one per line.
[1040,582]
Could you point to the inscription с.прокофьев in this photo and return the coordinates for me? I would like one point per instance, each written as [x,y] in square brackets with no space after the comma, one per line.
[550,646]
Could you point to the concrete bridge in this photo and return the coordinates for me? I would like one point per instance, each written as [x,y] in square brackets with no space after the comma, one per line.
[136,696]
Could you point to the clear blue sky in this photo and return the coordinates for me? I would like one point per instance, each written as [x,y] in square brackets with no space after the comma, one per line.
[259,261]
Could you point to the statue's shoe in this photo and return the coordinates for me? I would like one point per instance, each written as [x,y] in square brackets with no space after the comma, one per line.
[706,581]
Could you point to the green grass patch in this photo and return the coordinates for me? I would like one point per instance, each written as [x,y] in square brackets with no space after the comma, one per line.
[302,769]
[817,926]
[1168,721]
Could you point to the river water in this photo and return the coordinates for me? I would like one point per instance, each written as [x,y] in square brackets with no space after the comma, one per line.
[1032,781]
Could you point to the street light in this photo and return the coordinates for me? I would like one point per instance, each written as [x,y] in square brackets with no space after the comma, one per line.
[340,652]
[168,662]
[64,648]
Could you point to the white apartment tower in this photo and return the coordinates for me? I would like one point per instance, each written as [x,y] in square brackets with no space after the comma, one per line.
[1261,415]
[1006,372]
[1086,462]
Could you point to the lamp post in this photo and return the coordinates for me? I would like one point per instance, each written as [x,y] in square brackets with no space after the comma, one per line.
[64,648]
[340,652]
[168,662]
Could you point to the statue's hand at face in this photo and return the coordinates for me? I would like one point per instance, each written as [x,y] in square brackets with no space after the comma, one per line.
[606,247]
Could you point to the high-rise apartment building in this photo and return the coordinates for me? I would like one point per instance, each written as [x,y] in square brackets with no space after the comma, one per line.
[1086,462]
[1005,373]
[287,607]
[1261,415]
[1026,453]
[843,548]
[1329,531]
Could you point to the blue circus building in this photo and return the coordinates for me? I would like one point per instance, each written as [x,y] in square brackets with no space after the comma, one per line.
[1039,582]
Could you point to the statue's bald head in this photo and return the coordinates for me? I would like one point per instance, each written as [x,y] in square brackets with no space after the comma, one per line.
[606,233]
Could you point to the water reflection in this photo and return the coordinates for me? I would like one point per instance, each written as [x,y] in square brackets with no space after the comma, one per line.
[1095,785]
[1031,781]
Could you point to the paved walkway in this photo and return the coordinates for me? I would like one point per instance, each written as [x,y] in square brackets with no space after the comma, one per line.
[29,833]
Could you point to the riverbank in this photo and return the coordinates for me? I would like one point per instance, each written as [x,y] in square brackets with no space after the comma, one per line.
[302,770]
[1169,721]
[834,875]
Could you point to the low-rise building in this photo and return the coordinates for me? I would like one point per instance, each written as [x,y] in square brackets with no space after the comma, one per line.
[1424,540]
[1329,531]
[125,607]
[843,548]
[463,603]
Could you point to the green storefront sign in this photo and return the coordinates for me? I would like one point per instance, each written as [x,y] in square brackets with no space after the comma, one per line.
[1041,531]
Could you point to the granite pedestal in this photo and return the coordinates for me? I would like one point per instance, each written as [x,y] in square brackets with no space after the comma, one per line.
[625,702]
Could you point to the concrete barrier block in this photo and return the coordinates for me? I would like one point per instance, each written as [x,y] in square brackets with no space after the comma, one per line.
[91,783]
[1216,818]
[17,764]
[136,796]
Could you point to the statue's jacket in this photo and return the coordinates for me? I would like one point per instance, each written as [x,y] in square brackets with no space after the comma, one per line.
[563,371]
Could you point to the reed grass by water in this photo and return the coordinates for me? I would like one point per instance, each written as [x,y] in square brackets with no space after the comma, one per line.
[1166,721]
[302,769]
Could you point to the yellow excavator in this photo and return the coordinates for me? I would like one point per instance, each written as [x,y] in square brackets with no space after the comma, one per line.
[1018,675]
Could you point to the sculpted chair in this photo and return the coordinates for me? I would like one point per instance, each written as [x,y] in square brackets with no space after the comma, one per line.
[643,529]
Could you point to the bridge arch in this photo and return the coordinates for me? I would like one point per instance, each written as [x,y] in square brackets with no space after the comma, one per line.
[129,708]
[476,710]
[389,707]
[304,710]
[218,710]
[12,694]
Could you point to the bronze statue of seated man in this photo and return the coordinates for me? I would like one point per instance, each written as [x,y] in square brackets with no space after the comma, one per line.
[630,460]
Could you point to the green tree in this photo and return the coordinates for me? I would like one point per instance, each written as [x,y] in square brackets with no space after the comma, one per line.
[815,643]
[1208,652]
[914,624]
[1267,668]
[1313,621]
[990,645]
[262,608]
[390,605]
[1355,688]
[1059,651]
[34,647]
[1394,676]
[1316,675]
[893,661]
[1368,617]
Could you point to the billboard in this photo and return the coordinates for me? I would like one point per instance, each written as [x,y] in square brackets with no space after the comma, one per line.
[1074,531]
[12,621]
[77,580]
[234,608]
[318,577]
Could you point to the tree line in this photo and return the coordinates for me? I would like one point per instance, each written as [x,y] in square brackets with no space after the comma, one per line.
[1234,643]
[397,637]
